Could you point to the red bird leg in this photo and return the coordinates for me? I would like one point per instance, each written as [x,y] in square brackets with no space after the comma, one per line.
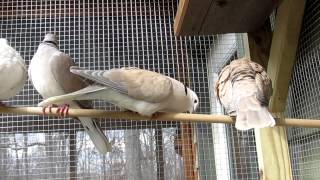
[63,110]
[2,104]
[48,107]
[156,115]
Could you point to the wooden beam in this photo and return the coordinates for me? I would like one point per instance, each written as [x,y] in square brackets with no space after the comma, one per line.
[187,152]
[258,43]
[283,50]
[190,16]
[207,17]
[271,143]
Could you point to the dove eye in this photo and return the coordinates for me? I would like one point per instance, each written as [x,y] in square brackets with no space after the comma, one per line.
[195,101]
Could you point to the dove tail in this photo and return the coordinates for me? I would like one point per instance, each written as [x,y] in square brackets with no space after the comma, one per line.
[82,94]
[250,114]
[58,99]
[97,136]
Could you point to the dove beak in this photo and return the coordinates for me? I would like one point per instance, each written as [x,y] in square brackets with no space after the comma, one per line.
[190,110]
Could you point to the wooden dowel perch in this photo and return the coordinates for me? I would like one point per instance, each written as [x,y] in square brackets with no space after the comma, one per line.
[181,117]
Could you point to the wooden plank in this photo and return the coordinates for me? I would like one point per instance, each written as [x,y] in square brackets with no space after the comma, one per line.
[283,51]
[271,143]
[190,16]
[258,43]
[209,17]
[187,152]
[180,16]
[194,147]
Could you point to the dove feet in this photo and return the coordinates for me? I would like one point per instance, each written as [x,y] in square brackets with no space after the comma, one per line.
[2,104]
[156,115]
[63,110]
[48,107]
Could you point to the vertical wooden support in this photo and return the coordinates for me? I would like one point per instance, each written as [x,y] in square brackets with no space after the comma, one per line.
[271,143]
[73,155]
[257,44]
[159,153]
[188,153]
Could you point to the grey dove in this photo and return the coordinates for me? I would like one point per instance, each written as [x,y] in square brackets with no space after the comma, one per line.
[13,71]
[142,91]
[50,75]
[244,89]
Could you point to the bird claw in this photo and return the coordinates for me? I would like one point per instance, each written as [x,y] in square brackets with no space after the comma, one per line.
[156,115]
[63,110]
[2,104]
[48,107]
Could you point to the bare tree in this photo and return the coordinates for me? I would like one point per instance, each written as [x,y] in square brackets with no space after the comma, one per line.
[16,149]
[133,155]
[25,156]
[49,149]
[148,151]
[4,155]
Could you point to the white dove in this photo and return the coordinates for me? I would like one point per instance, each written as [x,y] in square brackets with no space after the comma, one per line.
[13,71]
[244,89]
[142,91]
[50,75]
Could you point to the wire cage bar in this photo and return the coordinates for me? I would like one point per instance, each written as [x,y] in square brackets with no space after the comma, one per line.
[101,35]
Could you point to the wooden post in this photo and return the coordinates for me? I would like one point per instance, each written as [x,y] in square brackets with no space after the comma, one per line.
[187,152]
[257,44]
[271,143]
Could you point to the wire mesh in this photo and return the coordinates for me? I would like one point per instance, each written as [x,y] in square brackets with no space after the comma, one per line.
[303,100]
[235,152]
[111,34]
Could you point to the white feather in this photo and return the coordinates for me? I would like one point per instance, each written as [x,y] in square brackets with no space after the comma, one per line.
[13,73]
[44,74]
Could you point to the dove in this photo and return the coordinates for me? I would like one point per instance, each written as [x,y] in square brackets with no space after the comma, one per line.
[50,75]
[13,71]
[138,90]
[244,89]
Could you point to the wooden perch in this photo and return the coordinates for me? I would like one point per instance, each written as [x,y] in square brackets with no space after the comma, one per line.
[181,117]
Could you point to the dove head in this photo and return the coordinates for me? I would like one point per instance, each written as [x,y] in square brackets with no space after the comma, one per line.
[50,38]
[3,41]
[194,100]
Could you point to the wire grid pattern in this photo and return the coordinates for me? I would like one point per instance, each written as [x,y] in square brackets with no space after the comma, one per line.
[303,99]
[236,155]
[112,34]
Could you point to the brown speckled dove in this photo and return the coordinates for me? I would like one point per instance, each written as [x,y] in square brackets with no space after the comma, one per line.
[244,89]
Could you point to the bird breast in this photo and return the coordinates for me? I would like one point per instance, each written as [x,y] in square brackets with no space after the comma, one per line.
[12,79]
[42,78]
